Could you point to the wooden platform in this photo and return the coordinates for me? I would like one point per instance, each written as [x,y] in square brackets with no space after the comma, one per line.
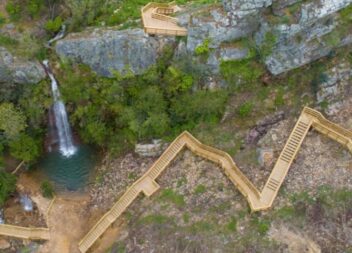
[257,200]
[157,22]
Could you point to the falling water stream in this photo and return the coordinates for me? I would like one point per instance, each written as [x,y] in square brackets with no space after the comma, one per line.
[67,148]
[69,164]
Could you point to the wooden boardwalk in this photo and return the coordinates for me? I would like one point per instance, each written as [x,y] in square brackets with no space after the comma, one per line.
[24,232]
[157,22]
[257,200]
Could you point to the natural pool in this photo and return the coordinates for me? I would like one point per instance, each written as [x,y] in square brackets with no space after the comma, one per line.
[70,173]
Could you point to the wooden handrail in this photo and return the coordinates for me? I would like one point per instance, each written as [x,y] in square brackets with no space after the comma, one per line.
[156,22]
[257,200]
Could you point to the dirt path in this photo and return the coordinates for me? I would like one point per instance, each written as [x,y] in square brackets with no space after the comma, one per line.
[69,219]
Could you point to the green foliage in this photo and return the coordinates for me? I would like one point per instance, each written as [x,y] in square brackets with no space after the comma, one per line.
[54,25]
[12,121]
[242,72]
[268,44]
[25,148]
[245,109]
[346,15]
[173,197]
[203,106]
[47,190]
[7,41]
[14,10]
[200,189]
[34,7]
[279,98]
[155,219]
[7,185]
[176,81]
[232,225]
[203,49]
[2,20]
[147,117]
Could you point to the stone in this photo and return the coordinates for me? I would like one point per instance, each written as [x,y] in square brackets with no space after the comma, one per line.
[305,41]
[106,50]
[265,157]
[4,244]
[219,26]
[17,70]
[151,149]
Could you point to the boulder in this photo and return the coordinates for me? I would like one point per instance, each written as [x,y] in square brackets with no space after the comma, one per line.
[151,149]
[4,244]
[16,70]
[107,50]
[218,26]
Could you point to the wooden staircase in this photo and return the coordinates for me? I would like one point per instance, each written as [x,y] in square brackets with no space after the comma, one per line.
[24,232]
[257,201]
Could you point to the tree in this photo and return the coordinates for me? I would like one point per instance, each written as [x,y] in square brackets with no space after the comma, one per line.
[147,115]
[24,148]
[12,121]
[7,185]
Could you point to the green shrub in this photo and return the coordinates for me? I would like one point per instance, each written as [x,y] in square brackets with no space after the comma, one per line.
[200,189]
[241,72]
[268,44]
[12,120]
[25,148]
[171,196]
[232,225]
[34,7]
[47,190]
[2,20]
[54,25]
[7,185]
[203,49]
[245,109]
[7,41]
[14,10]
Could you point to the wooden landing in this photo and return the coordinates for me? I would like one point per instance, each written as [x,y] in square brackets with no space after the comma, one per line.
[257,201]
[157,22]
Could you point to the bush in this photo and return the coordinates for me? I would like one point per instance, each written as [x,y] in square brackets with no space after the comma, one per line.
[14,10]
[12,121]
[241,72]
[7,185]
[2,20]
[34,7]
[47,190]
[203,49]
[245,109]
[54,25]
[25,148]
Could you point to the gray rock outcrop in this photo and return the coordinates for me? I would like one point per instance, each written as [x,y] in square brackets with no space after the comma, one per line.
[315,35]
[16,70]
[108,50]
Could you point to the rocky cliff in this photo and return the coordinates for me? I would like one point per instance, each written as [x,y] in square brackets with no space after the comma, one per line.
[108,50]
[288,34]
[17,70]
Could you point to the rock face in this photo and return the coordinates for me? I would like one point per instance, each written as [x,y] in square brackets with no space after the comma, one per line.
[106,51]
[15,70]
[150,150]
[315,33]
[335,88]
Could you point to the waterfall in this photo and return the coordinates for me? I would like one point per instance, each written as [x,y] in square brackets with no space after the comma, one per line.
[66,145]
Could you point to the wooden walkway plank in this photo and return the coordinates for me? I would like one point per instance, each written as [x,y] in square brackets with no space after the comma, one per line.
[157,22]
[257,201]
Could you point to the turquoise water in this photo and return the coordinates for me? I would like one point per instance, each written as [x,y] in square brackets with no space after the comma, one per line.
[70,173]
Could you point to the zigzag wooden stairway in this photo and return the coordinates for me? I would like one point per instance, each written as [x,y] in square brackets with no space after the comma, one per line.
[257,201]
